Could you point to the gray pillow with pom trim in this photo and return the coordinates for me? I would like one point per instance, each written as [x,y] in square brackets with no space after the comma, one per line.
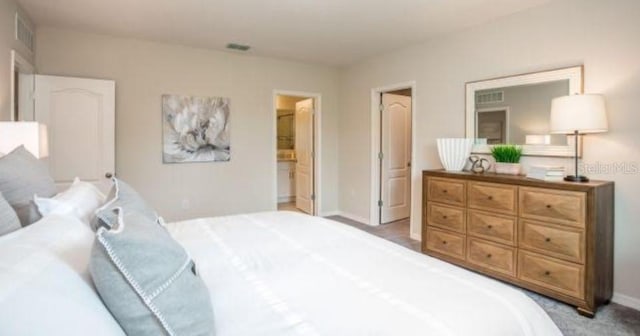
[147,280]
[9,221]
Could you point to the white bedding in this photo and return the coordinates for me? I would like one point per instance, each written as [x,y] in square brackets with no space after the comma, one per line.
[291,274]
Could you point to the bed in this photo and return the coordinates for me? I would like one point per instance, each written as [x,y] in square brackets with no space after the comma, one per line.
[284,273]
[273,273]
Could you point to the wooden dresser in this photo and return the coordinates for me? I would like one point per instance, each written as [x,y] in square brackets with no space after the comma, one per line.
[554,238]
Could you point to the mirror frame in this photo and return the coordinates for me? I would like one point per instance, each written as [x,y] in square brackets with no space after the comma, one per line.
[574,74]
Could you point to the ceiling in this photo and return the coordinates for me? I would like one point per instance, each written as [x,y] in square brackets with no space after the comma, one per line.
[333,32]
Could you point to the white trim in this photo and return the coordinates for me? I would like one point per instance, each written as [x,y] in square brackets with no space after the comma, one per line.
[353,217]
[573,74]
[285,199]
[330,213]
[317,145]
[26,67]
[626,300]
[415,236]
[374,214]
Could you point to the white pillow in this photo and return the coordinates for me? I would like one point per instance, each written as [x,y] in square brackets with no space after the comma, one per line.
[45,286]
[81,200]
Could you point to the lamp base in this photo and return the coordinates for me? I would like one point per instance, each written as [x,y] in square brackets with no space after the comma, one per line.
[579,178]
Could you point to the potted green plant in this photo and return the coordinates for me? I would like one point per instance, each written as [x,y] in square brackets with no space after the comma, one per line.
[507,158]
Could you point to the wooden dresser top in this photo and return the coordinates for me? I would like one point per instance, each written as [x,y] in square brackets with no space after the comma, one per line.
[516,179]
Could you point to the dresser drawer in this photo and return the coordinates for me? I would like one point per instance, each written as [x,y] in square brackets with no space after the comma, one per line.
[448,191]
[550,273]
[446,217]
[556,241]
[498,228]
[496,257]
[448,243]
[493,197]
[564,207]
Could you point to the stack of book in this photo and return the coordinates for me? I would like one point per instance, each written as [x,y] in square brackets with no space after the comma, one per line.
[546,173]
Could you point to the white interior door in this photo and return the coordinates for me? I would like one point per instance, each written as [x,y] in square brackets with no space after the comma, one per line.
[304,155]
[80,118]
[396,158]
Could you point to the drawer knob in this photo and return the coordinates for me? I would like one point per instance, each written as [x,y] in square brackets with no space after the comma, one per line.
[547,273]
[489,227]
[489,255]
[444,242]
[444,191]
[547,240]
[548,206]
[490,198]
[444,217]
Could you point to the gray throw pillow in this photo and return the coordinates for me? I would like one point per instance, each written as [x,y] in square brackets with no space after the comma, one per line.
[9,221]
[147,280]
[121,195]
[21,177]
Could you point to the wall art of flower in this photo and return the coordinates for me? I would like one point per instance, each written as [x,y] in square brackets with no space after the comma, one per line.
[195,129]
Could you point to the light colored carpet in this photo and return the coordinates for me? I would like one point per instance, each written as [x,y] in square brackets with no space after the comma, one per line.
[611,320]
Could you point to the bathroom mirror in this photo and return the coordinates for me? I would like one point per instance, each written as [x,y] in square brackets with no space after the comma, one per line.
[286,129]
[22,86]
[515,110]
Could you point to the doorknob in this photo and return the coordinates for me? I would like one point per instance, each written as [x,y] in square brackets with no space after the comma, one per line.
[409,164]
[108,175]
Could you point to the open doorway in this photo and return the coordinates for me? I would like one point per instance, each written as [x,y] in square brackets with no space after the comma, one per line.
[296,126]
[392,153]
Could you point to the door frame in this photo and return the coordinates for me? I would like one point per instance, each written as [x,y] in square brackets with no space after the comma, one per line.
[507,112]
[374,215]
[317,144]
[19,62]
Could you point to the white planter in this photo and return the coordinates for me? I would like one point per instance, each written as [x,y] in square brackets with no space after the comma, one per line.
[454,152]
[508,168]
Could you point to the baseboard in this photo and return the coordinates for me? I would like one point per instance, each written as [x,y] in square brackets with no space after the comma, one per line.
[415,236]
[286,199]
[626,300]
[330,213]
[353,217]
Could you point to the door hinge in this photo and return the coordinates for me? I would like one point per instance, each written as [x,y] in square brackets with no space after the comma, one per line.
[380,156]
[313,197]
[381,107]
[380,203]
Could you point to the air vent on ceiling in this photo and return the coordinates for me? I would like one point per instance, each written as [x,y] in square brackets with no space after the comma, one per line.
[236,46]
[490,97]
[24,33]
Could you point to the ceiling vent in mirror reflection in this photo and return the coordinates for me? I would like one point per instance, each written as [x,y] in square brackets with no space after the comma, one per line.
[490,97]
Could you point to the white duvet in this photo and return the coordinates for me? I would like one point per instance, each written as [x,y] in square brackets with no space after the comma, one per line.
[291,274]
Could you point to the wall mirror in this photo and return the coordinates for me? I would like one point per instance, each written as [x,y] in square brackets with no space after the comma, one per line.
[515,110]
[22,86]
[286,129]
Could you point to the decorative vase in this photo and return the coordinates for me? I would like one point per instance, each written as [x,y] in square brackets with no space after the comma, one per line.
[507,168]
[454,152]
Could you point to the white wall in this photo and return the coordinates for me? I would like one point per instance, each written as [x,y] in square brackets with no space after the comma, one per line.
[8,42]
[143,71]
[602,35]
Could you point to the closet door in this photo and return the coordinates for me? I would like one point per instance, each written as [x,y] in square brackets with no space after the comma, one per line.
[80,117]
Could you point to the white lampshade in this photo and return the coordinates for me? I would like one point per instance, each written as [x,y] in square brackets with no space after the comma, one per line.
[31,135]
[583,113]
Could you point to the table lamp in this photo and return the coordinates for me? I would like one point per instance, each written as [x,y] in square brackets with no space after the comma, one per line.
[31,135]
[578,114]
